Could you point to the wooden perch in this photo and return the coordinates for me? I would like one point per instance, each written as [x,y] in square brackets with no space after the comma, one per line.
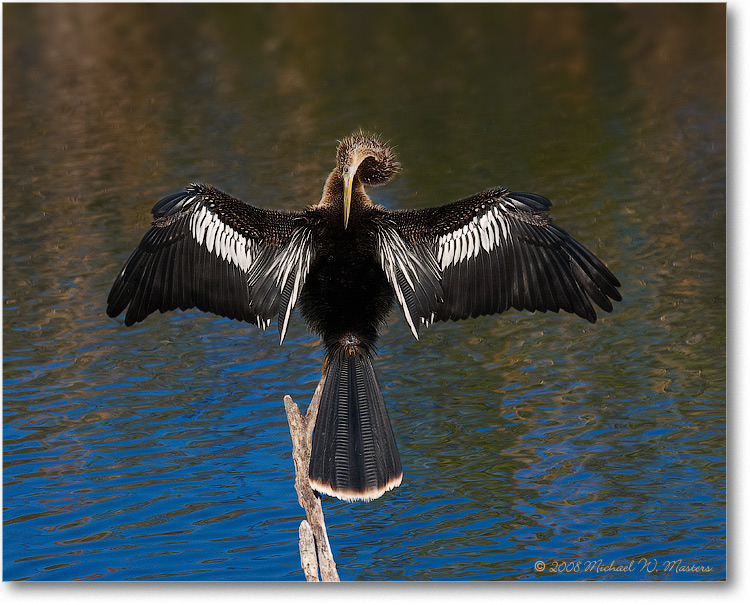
[314,548]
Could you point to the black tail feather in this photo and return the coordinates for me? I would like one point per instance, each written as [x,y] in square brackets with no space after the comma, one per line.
[354,454]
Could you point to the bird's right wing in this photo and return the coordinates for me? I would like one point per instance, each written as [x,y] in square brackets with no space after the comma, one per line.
[208,250]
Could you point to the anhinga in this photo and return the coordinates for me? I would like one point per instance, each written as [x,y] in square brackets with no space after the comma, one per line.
[345,261]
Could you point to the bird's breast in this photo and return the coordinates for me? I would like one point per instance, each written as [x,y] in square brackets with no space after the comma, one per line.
[346,290]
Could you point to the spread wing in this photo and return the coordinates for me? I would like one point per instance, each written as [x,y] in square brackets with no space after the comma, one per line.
[488,253]
[208,250]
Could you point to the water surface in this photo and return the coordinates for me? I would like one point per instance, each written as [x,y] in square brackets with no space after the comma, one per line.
[161,451]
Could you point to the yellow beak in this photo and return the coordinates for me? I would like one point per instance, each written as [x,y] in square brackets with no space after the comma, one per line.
[348,177]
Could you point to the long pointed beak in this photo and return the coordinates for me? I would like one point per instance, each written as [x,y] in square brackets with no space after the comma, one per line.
[348,179]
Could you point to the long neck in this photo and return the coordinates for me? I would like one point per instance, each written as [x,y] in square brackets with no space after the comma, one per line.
[333,195]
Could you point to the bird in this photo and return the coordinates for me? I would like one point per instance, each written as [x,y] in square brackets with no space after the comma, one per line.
[345,262]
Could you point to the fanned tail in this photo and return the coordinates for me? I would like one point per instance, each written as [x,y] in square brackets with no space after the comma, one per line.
[354,454]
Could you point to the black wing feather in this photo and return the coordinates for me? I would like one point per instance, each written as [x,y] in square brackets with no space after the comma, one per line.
[201,250]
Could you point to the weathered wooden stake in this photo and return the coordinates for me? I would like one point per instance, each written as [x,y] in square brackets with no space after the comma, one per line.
[314,548]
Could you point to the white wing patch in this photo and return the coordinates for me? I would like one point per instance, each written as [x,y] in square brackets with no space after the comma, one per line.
[297,256]
[421,275]
[287,272]
[284,274]
[482,233]
[219,238]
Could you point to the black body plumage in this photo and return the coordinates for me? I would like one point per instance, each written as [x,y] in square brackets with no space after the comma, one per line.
[344,262]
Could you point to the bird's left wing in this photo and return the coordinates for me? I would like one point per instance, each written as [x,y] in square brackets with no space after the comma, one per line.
[488,253]
[208,250]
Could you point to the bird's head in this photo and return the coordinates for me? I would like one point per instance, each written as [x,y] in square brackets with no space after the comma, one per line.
[366,157]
